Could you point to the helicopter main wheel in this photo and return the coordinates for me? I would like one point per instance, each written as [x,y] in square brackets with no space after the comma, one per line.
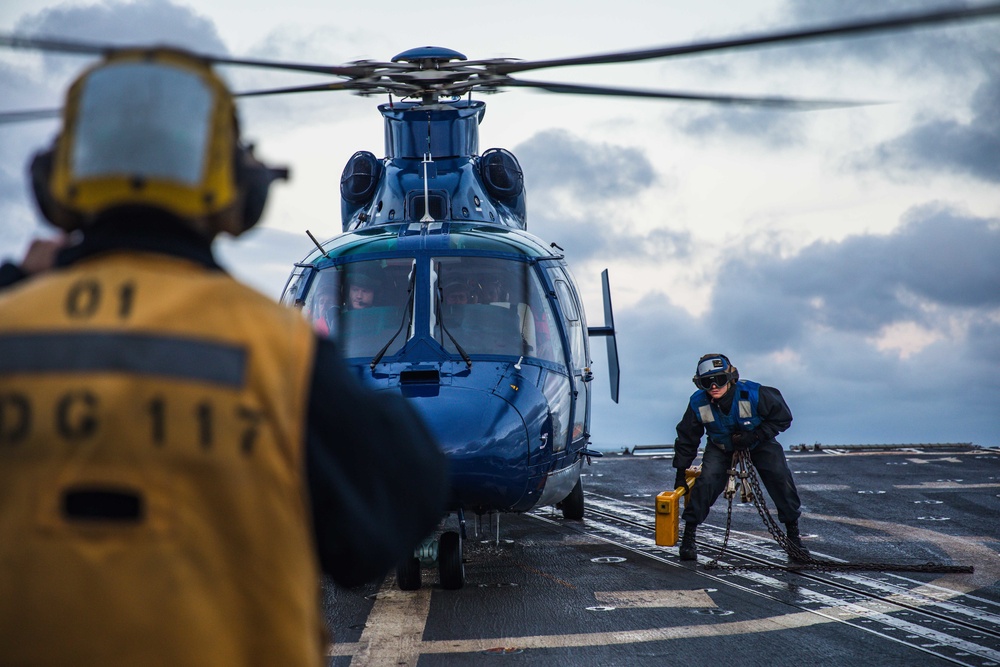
[572,505]
[451,569]
[408,574]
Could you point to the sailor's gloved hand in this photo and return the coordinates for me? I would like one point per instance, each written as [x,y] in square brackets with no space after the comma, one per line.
[743,440]
[680,480]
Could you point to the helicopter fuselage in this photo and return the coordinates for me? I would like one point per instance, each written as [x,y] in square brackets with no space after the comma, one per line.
[482,328]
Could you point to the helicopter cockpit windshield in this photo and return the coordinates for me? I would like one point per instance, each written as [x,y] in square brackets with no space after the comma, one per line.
[491,306]
[362,305]
[469,304]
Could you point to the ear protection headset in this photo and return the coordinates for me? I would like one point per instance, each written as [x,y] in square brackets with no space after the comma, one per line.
[720,366]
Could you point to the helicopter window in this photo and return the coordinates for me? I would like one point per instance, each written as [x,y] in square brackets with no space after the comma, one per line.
[575,329]
[490,306]
[362,305]
[292,296]
[558,394]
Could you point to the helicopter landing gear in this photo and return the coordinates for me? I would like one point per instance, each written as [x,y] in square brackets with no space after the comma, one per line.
[451,569]
[408,574]
[408,570]
[572,505]
[446,551]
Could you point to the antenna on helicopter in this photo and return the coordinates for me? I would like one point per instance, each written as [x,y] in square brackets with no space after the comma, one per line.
[428,218]
[427,209]
[313,238]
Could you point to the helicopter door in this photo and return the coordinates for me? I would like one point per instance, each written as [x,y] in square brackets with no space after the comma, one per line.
[578,352]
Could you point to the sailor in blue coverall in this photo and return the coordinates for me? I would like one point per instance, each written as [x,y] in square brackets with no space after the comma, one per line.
[736,415]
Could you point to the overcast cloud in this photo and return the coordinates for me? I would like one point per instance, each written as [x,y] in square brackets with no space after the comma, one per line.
[721,227]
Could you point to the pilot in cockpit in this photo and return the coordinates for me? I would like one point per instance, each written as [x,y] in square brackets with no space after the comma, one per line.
[456,293]
[360,291]
[489,290]
[323,308]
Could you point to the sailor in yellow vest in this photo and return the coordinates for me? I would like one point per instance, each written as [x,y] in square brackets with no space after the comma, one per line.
[180,456]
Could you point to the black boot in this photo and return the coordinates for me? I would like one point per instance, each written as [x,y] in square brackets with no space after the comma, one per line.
[688,550]
[797,552]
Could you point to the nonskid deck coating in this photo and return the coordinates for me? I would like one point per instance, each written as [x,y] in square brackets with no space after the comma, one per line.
[599,592]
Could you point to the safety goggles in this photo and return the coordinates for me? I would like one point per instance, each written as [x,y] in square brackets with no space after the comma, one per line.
[708,381]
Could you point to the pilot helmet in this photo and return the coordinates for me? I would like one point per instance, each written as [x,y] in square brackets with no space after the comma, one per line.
[714,369]
[156,129]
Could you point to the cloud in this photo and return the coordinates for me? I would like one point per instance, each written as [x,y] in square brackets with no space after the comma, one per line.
[969,148]
[956,47]
[139,22]
[776,128]
[557,161]
[580,193]
[811,324]
[939,260]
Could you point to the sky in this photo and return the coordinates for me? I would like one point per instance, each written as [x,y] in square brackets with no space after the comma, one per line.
[848,257]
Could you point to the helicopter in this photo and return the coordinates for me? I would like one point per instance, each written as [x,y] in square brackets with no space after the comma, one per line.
[436,290]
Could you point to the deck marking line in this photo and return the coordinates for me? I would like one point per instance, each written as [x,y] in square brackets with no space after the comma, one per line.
[378,633]
[394,629]
[697,598]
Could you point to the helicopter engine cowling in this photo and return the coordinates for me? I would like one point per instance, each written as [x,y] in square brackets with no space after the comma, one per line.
[432,166]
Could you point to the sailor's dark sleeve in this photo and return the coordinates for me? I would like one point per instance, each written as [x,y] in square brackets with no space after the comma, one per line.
[10,274]
[774,413]
[689,433]
[377,479]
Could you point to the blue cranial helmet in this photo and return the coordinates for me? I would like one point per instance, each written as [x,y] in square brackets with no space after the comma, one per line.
[714,369]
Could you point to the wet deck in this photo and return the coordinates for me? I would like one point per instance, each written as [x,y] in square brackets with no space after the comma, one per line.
[599,592]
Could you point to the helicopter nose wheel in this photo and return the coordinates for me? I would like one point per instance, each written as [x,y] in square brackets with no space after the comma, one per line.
[408,574]
[451,569]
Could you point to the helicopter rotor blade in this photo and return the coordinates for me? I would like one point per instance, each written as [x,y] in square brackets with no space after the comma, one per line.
[899,22]
[54,45]
[350,70]
[773,102]
[319,87]
[28,115]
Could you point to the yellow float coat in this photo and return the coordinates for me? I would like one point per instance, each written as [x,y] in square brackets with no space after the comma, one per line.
[153,505]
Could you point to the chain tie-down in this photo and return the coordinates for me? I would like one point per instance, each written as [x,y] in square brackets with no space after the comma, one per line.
[743,476]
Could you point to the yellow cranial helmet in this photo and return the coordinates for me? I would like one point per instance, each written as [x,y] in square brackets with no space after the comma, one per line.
[152,128]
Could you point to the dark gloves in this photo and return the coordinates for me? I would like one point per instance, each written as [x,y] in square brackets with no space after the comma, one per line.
[680,480]
[744,439]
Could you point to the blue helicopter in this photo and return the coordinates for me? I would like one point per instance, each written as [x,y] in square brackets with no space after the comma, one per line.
[436,290]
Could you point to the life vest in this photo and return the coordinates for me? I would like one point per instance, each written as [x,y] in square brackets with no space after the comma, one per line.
[742,416]
[153,506]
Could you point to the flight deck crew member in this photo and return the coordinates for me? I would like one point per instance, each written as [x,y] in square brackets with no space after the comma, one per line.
[736,415]
[180,457]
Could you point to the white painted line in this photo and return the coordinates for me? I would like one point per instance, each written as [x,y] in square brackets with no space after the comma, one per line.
[697,598]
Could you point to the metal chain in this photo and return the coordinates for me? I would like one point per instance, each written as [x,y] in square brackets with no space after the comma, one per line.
[744,470]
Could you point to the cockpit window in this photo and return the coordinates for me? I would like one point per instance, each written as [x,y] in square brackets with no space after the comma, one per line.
[491,306]
[362,305]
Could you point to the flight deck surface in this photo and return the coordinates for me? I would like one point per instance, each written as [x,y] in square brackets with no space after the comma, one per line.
[600,592]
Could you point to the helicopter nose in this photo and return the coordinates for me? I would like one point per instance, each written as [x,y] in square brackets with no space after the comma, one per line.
[486,442]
